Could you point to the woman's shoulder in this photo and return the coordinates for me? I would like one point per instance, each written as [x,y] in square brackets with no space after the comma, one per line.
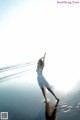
[41,68]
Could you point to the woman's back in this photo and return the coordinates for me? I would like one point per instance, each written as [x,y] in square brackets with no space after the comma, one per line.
[39,71]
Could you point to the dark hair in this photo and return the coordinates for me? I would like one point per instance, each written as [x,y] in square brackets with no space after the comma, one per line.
[41,62]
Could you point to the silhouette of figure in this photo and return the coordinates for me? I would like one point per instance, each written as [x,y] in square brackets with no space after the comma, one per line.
[50,111]
[41,80]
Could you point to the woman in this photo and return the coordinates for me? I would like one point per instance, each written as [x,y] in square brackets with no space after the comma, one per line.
[41,80]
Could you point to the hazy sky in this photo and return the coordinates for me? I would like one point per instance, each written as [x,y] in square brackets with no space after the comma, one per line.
[28,28]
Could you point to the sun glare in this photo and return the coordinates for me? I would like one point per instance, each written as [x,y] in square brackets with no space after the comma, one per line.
[61,79]
[64,87]
[34,29]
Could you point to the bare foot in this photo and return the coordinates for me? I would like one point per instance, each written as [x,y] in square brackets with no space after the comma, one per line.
[45,101]
[57,102]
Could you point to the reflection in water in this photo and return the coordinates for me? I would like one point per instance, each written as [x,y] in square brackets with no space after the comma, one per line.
[50,111]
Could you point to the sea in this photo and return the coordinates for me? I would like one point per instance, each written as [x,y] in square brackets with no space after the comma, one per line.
[22,99]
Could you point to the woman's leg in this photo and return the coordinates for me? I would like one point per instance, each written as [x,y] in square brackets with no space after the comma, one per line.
[53,94]
[43,91]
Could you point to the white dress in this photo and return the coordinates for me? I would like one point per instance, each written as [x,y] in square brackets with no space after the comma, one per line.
[41,80]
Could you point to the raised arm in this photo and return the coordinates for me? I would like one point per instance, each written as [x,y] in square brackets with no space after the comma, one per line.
[43,58]
[41,61]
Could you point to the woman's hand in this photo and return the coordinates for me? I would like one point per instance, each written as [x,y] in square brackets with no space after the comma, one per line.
[44,54]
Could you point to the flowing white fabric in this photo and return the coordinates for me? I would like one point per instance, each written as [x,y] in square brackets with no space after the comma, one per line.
[41,79]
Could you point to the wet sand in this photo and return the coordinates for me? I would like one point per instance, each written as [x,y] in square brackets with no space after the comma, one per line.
[21,97]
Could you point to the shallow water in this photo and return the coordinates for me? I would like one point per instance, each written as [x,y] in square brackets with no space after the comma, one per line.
[21,97]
